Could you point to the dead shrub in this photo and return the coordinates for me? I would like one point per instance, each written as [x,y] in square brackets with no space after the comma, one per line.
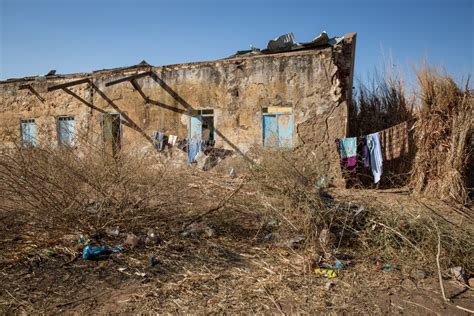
[400,236]
[287,193]
[57,187]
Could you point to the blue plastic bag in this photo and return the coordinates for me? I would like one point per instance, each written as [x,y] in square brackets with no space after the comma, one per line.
[91,252]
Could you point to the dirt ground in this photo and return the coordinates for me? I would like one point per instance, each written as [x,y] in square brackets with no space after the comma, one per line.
[229,263]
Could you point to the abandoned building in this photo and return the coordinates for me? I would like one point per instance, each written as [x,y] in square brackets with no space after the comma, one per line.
[289,95]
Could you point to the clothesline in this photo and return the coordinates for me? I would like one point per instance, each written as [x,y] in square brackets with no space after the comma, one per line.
[193,147]
[387,144]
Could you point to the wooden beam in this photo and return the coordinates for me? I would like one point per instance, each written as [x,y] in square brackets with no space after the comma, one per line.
[68,84]
[136,76]
[83,101]
[137,87]
[32,90]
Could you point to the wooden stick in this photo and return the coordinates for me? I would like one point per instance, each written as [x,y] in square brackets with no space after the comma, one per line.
[465,309]
[439,266]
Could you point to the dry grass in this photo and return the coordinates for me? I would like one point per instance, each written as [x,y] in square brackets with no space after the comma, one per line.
[397,233]
[379,105]
[249,265]
[444,128]
[440,158]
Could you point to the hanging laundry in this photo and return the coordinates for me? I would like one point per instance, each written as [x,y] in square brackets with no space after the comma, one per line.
[193,149]
[172,139]
[365,152]
[159,140]
[182,144]
[347,148]
[394,141]
[375,153]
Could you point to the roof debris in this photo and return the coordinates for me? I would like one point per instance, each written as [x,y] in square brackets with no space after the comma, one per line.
[287,42]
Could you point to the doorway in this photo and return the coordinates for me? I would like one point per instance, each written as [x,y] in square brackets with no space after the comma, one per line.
[201,125]
[112,133]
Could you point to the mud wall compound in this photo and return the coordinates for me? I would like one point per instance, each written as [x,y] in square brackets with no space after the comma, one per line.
[315,84]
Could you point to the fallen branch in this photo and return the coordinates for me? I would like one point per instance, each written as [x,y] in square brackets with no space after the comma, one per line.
[438,265]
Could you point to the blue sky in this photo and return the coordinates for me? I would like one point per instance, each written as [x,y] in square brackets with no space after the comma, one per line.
[81,36]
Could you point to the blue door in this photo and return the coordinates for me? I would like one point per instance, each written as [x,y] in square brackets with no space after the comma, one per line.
[270,131]
[195,136]
[195,127]
[278,130]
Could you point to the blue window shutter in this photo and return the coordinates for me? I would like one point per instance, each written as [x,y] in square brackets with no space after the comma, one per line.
[66,130]
[28,133]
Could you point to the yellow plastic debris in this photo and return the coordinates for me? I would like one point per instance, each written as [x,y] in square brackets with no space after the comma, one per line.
[329,273]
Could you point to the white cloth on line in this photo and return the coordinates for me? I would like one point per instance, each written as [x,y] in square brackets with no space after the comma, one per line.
[172,139]
[375,154]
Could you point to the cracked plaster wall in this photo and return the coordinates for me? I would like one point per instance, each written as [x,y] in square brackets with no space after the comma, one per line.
[316,83]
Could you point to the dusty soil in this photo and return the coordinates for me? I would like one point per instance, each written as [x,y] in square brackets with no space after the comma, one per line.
[232,264]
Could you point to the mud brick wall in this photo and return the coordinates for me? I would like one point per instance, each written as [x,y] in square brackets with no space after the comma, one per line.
[316,83]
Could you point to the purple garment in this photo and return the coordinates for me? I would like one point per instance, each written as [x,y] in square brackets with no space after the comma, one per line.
[365,150]
[348,164]
[350,161]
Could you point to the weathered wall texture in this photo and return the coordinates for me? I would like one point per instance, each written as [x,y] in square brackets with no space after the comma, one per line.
[316,83]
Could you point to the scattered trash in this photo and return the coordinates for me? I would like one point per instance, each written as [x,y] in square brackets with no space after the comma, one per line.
[210,232]
[83,239]
[273,223]
[232,173]
[329,285]
[131,240]
[154,261]
[91,252]
[338,265]
[117,249]
[387,267]
[271,236]
[151,238]
[197,228]
[327,273]
[141,274]
[459,274]
[321,183]
[112,231]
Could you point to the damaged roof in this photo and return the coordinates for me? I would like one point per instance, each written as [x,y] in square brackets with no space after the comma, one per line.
[283,43]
